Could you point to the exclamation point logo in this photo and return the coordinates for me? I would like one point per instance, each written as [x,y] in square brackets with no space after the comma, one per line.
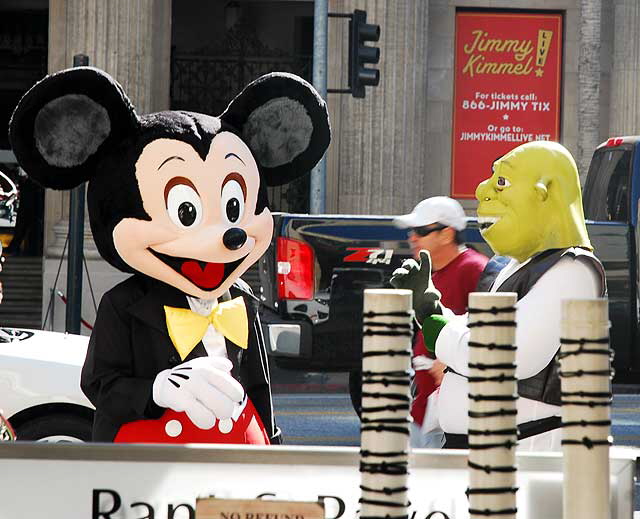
[544,42]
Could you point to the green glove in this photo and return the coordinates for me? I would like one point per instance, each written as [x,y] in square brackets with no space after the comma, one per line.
[431,328]
[416,277]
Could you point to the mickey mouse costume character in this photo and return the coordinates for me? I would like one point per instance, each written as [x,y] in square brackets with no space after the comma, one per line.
[179,200]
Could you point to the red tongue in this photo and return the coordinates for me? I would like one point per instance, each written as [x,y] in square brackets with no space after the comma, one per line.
[210,277]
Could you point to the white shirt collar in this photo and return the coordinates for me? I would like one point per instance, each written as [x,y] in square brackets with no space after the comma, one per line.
[201,306]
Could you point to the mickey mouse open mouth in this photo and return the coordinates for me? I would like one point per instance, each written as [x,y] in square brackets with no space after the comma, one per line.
[204,275]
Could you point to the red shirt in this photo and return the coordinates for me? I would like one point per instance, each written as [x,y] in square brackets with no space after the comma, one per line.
[455,281]
[459,278]
[425,383]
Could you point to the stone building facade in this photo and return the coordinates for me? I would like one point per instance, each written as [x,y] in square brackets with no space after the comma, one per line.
[390,149]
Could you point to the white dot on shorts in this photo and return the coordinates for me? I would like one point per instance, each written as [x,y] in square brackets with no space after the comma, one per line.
[225,425]
[173,428]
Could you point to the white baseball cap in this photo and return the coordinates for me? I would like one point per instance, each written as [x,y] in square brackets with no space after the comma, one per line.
[437,209]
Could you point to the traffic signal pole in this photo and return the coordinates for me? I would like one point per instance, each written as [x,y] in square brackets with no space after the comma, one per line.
[360,76]
[360,54]
[319,173]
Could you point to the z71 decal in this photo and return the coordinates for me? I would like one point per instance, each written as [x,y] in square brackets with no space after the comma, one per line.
[367,255]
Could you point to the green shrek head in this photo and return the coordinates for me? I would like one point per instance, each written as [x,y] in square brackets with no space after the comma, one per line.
[532,202]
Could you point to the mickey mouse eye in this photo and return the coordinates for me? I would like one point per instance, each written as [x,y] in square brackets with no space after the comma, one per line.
[184,206]
[503,182]
[232,201]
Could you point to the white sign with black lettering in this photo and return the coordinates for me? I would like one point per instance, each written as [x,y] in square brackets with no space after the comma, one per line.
[100,481]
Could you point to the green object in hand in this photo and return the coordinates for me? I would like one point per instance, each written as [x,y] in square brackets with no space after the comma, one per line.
[416,276]
[431,328]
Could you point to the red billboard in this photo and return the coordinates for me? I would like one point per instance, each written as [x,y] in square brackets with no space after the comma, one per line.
[507,87]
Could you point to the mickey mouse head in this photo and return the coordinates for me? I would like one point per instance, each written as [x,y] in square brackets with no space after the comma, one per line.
[177,196]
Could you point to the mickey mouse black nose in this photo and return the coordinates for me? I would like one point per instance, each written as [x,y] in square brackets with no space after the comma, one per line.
[234,238]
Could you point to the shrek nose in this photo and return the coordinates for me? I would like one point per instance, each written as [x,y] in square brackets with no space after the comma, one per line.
[483,191]
[234,238]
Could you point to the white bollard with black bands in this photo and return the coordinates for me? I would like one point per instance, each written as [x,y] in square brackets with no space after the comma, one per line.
[386,360]
[585,377]
[492,405]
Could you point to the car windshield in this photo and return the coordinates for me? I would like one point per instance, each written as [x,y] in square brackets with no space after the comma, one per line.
[606,194]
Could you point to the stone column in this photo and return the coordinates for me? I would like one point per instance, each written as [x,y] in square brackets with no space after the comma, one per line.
[378,160]
[131,40]
[625,71]
[589,83]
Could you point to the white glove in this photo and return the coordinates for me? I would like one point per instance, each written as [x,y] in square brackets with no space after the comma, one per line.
[203,388]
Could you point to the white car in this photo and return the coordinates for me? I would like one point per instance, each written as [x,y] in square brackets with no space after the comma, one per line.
[40,391]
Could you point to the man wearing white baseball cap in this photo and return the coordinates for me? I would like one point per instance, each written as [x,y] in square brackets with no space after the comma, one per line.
[436,225]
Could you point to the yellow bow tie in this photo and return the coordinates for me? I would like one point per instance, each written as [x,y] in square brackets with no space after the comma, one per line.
[186,328]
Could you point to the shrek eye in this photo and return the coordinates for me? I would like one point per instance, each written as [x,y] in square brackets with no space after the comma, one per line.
[232,201]
[503,182]
[184,206]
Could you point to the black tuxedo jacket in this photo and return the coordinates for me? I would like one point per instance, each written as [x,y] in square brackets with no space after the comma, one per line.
[130,345]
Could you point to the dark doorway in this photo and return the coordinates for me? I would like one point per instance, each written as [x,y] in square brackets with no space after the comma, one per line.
[23,62]
[23,58]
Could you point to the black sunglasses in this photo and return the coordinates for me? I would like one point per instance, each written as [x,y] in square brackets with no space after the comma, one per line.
[425,230]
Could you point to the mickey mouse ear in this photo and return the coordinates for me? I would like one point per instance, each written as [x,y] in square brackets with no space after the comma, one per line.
[284,122]
[64,125]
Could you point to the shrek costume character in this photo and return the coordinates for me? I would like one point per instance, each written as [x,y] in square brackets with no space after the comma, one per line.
[531,211]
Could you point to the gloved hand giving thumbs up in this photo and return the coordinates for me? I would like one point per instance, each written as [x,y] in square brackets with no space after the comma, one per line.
[416,276]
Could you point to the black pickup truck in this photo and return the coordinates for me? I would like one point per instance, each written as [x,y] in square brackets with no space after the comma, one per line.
[314,273]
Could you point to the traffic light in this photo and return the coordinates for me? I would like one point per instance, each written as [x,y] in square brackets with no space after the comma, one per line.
[361,32]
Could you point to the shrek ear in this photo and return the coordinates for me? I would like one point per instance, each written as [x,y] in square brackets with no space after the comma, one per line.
[541,188]
[67,123]
[284,122]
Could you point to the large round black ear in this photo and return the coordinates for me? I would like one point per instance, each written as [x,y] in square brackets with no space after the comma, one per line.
[284,122]
[66,123]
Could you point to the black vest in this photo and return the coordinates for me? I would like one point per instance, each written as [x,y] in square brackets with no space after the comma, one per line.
[545,385]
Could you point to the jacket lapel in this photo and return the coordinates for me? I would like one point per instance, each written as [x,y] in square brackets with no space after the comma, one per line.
[150,308]
[234,352]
